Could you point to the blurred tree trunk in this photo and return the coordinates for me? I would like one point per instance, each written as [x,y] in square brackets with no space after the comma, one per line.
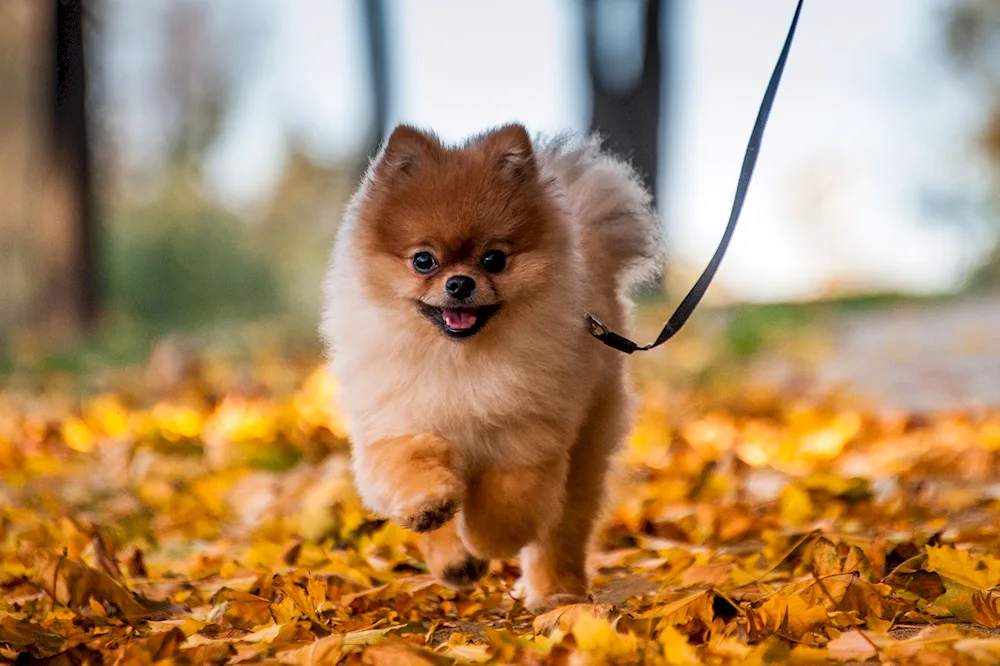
[374,13]
[68,215]
[627,108]
[22,28]
[47,220]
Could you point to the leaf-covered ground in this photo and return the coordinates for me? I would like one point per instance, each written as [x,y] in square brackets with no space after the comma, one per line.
[202,513]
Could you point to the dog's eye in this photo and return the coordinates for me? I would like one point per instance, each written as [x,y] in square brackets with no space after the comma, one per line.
[424,262]
[494,261]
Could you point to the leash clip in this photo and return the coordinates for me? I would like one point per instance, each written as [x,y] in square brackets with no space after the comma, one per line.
[600,331]
[597,327]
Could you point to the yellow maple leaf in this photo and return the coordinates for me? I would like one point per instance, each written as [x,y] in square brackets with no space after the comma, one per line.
[676,649]
[796,505]
[78,436]
[240,609]
[789,616]
[961,566]
[682,611]
[597,637]
[840,558]
[564,618]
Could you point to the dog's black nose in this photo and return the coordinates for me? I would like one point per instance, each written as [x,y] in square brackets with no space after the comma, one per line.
[460,286]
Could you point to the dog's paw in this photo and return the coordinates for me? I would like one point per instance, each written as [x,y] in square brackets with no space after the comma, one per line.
[415,480]
[448,560]
[541,603]
[466,572]
[429,514]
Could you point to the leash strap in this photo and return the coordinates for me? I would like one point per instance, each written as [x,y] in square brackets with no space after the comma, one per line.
[690,302]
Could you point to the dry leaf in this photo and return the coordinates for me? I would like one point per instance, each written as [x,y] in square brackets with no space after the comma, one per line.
[962,567]
[240,609]
[21,635]
[74,584]
[676,649]
[151,649]
[851,646]
[564,617]
[788,616]
[986,607]
[840,558]
[326,650]
[397,655]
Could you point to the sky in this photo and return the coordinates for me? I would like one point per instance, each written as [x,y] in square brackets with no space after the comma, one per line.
[867,178]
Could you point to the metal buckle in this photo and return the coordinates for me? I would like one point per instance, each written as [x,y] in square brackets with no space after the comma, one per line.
[597,327]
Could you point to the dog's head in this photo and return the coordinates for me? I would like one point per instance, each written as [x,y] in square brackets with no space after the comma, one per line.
[458,235]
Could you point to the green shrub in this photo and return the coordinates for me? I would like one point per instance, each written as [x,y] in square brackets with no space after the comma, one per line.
[168,270]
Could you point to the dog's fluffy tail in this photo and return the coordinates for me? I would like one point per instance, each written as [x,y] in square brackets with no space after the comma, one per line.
[622,238]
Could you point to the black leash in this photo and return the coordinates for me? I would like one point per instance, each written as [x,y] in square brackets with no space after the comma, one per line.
[690,302]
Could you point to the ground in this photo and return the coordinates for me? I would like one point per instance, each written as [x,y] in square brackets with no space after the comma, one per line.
[200,510]
[915,356]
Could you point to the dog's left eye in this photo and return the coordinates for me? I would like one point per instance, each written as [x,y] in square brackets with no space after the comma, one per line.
[494,261]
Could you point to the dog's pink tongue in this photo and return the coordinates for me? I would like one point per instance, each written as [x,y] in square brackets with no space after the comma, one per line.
[459,320]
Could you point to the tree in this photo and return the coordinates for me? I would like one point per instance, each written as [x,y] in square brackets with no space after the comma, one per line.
[374,16]
[627,79]
[47,225]
[68,217]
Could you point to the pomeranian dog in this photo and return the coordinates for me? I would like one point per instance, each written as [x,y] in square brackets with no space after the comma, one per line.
[481,411]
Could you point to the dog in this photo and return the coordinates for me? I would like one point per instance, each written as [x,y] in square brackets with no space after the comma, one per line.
[482,413]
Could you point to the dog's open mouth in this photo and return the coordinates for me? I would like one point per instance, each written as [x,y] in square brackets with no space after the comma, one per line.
[459,322]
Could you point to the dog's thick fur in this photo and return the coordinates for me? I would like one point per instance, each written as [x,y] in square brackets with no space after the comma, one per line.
[498,443]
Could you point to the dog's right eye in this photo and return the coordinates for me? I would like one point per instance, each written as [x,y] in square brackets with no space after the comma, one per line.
[424,262]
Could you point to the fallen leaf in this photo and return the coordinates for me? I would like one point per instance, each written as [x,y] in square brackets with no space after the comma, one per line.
[962,567]
[984,650]
[398,655]
[80,583]
[564,617]
[787,616]
[240,609]
[676,649]
[22,634]
[986,607]
[151,649]
[326,650]
[851,646]
[829,559]
[597,637]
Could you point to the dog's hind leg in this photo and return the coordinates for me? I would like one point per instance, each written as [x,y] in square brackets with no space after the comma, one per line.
[555,565]
[508,507]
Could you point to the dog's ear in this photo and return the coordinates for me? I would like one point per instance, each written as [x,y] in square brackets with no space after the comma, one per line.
[510,151]
[405,151]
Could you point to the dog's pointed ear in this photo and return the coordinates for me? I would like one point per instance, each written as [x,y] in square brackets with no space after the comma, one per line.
[509,148]
[406,149]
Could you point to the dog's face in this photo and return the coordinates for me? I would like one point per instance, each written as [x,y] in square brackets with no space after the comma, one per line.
[458,236]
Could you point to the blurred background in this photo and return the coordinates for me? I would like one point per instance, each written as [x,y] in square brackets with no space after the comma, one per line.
[178,168]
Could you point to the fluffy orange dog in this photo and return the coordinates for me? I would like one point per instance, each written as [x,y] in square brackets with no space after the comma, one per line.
[482,412]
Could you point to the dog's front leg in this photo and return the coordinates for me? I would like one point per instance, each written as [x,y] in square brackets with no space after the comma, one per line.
[413,479]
